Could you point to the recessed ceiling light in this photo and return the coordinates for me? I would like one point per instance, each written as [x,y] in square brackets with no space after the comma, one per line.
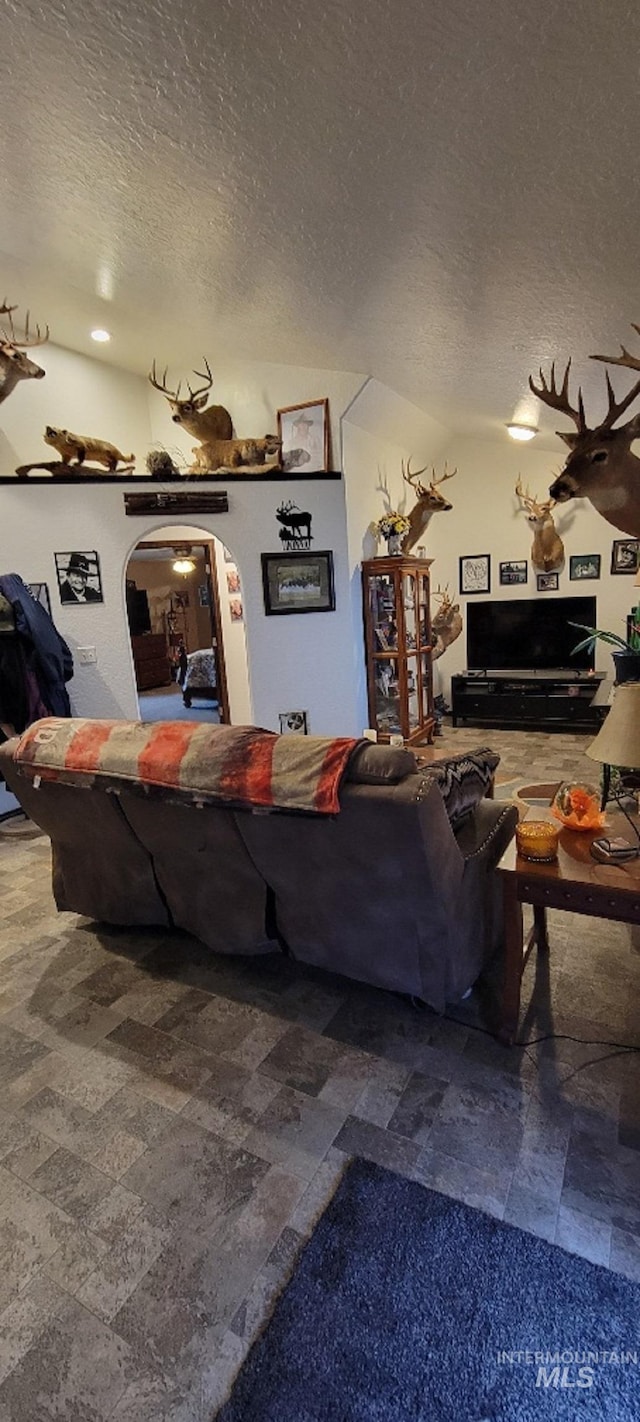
[522,432]
[100,335]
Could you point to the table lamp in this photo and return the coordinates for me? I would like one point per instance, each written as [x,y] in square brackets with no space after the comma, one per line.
[618,743]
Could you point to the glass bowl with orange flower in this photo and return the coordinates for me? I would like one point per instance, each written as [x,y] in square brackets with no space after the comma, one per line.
[577,806]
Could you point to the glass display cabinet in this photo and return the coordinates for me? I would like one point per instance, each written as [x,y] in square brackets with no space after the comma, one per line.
[397,624]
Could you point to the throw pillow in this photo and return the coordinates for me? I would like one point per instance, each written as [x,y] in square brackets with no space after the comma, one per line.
[463,781]
[371,764]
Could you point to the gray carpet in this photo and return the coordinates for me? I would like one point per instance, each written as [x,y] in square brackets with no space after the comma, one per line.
[407,1306]
[167,705]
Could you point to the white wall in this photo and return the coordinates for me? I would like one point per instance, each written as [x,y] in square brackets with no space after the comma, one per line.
[78,394]
[486,519]
[234,639]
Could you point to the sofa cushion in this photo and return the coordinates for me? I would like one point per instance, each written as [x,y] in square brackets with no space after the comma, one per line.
[372,764]
[463,781]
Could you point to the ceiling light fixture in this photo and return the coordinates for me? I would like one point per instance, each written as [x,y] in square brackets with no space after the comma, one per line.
[184,563]
[522,432]
[100,335]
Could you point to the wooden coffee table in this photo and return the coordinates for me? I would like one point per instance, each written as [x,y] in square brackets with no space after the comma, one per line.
[575,882]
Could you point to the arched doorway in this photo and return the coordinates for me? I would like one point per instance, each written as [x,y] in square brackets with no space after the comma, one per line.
[186,626]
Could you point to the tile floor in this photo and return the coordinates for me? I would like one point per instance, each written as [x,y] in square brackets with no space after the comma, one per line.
[171,1126]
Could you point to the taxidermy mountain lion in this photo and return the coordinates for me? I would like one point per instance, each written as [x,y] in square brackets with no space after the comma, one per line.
[80,447]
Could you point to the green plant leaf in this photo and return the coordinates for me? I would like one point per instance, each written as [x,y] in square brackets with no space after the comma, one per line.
[596,634]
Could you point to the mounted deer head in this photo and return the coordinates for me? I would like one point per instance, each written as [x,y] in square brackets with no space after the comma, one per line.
[14,364]
[600,465]
[446,625]
[204,424]
[547,549]
[429,502]
[213,427]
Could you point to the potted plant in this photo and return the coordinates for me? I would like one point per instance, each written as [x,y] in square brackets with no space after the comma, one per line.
[625,653]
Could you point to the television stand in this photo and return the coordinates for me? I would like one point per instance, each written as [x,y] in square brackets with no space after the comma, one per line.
[552,700]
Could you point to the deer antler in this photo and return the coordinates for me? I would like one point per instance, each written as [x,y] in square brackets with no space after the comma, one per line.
[208,381]
[410,478]
[443,594]
[528,500]
[446,475]
[28,340]
[558,399]
[5,309]
[630,362]
[161,385]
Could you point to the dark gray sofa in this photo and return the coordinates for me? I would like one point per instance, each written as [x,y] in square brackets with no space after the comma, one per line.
[383,892]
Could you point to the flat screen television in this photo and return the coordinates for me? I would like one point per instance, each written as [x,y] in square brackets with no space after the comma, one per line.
[528,634]
[137,610]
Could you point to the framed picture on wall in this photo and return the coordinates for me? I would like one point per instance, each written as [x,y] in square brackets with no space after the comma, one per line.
[583,566]
[547,582]
[40,593]
[294,723]
[297,582]
[78,577]
[304,433]
[625,555]
[475,573]
[511,573]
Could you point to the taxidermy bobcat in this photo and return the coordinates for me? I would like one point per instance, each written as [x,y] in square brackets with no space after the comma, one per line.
[80,447]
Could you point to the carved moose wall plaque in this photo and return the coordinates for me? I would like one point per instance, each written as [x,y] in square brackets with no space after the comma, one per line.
[600,465]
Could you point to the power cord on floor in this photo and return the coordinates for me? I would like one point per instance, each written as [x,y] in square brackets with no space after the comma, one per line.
[547,1037]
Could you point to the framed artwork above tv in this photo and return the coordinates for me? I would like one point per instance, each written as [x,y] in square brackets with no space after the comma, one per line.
[475,573]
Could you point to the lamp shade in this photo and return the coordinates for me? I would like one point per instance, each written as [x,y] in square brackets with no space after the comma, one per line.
[618,740]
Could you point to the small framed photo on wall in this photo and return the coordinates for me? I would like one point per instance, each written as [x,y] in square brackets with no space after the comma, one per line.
[625,555]
[475,573]
[78,577]
[40,593]
[547,582]
[584,566]
[304,433]
[294,723]
[511,573]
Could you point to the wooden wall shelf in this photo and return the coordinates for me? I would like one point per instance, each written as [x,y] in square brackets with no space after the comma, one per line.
[191,480]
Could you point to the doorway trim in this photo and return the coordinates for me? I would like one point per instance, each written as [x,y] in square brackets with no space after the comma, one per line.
[211,573]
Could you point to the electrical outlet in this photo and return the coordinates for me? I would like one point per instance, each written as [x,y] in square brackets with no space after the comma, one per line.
[87,656]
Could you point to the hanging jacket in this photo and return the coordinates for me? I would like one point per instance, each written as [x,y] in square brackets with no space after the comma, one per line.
[47,655]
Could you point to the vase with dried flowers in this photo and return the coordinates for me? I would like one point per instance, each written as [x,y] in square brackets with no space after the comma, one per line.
[392,527]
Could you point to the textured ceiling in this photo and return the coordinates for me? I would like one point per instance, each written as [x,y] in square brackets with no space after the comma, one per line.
[439,195]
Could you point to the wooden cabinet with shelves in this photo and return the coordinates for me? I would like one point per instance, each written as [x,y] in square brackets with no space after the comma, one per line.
[397,625]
